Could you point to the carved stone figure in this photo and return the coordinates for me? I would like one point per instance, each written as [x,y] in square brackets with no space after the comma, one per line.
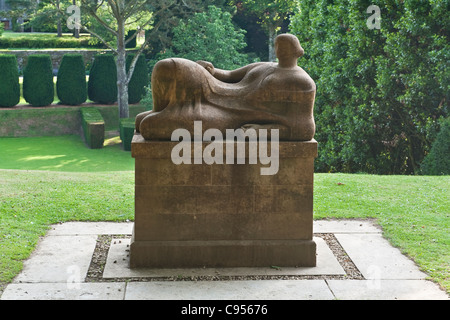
[263,95]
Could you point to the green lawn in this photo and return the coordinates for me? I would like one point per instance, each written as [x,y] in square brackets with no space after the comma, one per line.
[65,153]
[37,35]
[79,184]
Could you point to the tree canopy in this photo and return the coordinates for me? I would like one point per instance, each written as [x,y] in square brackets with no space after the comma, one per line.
[381,92]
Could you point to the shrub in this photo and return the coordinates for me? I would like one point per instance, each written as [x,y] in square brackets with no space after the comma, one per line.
[127,132]
[71,84]
[139,80]
[210,36]
[102,85]
[49,43]
[378,91]
[132,44]
[437,162]
[93,127]
[38,87]
[9,81]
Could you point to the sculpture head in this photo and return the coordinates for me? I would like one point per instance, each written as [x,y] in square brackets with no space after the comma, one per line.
[287,48]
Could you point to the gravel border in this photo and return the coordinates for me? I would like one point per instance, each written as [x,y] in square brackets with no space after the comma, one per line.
[98,262]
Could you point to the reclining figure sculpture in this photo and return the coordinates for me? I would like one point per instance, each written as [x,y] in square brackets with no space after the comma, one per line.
[264,95]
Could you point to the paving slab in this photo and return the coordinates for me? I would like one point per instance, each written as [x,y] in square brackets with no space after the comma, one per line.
[117,266]
[90,228]
[386,290]
[346,226]
[64,291]
[230,290]
[377,259]
[59,259]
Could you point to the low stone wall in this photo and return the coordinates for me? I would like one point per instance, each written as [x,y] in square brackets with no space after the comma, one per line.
[54,120]
[56,55]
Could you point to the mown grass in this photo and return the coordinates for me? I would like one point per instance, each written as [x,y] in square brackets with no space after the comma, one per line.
[98,185]
[64,153]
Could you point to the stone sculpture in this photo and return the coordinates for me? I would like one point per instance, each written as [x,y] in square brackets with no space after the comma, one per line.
[261,95]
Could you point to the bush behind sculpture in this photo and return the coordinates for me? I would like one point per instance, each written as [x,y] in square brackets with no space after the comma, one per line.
[9,81]
[38,87]
[139,80]
[380,92]
[71,84]
[102,85]
[437,162]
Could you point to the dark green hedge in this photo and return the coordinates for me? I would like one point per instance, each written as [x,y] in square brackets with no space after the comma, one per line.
[102,85]
[9,81]
[380,92]
[437,162]
[38,87]
[127,132]
[24,42]
[139,80]
[93,127]
[132,44]
[71,84]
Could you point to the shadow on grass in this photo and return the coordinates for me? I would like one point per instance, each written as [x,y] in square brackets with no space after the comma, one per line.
[63,153]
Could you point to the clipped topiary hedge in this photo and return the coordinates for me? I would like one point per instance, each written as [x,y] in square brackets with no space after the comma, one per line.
[127,127]
[102,85]
[38,87]
[71,86]
[132,44]
[139,80]
[93,127]
[9,81]
[47,43]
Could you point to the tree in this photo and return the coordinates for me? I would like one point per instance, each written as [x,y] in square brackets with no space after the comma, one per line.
[209,36]
[272,14]
[381,92]
[126,15]
[18,9]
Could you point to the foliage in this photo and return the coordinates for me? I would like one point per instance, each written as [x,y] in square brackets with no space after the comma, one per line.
[102,84]
[127,127]
[380,92]
[71,82]
[17,10]
[139,80]
[45,43]
[38,86]
[271,15]
[147,100]
[437,162]
[2,27]
[9,81]
[209,36]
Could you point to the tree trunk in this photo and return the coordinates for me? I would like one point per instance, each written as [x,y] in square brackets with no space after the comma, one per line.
[58,26]
[272,36]
[122,83]
[76,31]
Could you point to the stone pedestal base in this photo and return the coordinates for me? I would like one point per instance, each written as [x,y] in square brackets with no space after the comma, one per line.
[222,215]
